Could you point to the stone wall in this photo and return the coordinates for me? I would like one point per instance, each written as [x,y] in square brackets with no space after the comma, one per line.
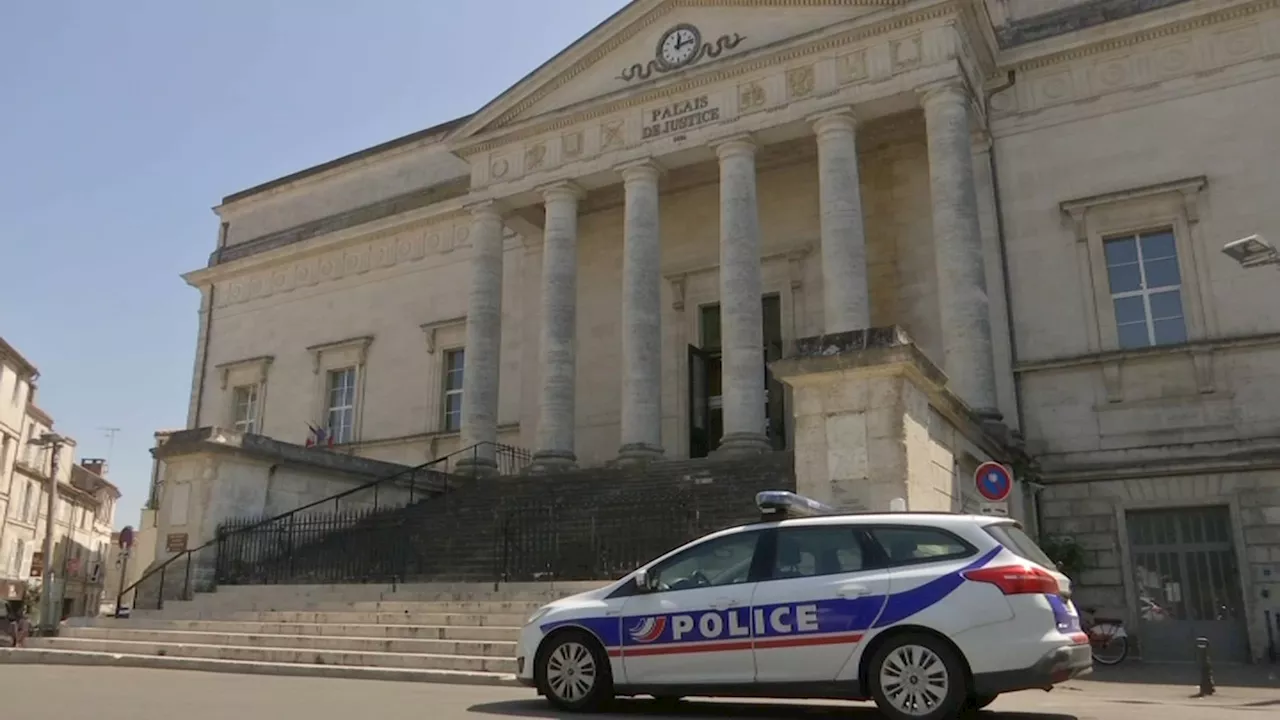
[1093,514]
[406,292]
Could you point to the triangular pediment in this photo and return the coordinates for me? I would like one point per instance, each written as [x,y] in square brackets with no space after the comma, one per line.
[651,40]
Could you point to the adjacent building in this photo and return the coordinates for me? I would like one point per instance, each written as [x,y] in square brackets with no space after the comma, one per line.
[84,511]
[600,264]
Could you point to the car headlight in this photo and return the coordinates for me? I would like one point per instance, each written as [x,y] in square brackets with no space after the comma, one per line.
[538,615]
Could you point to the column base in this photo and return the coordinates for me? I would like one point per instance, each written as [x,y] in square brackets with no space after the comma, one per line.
[633,454]
[552,461]
[476,467]
[742,444]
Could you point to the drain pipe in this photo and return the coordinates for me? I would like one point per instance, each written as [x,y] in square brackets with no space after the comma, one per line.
[1002,243]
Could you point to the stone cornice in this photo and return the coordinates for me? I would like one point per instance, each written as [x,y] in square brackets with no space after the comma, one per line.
[1134,30]
[825,39]
[1093,359]
[437,213]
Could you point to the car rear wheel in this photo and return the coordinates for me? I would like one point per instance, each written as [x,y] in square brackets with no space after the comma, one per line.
[918,677]
[573,673]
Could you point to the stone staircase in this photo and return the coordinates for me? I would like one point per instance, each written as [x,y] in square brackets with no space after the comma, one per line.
[458,633]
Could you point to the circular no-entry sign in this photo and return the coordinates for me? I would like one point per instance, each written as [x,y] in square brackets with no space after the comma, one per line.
[994,481]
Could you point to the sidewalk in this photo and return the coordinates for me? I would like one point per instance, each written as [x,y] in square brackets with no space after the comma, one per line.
[1253,686]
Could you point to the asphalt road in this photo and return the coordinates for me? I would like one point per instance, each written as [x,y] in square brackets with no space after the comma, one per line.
[34,692]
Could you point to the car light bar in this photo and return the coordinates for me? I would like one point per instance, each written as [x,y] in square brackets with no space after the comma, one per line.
[783,502]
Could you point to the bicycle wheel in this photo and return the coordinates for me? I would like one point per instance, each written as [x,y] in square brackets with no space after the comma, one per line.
[1108,648]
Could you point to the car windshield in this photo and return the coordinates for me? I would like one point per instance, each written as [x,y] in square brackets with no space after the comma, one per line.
[1012,537]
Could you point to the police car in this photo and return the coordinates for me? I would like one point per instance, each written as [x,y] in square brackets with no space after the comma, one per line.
[929,615]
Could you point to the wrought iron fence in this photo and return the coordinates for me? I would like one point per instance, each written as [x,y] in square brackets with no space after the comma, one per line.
[349,535]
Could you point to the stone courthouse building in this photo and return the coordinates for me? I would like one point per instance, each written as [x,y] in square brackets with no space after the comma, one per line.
[895,238]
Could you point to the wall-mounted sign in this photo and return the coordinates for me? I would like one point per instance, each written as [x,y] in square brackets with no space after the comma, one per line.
[37,564]
[175,542]
[680,116]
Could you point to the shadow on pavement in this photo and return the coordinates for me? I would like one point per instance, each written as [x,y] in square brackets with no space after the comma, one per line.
[1247,676]
[696,710]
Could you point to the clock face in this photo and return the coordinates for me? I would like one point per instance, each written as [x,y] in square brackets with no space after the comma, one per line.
[679,45]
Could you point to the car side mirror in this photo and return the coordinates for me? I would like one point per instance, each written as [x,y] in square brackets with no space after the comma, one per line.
[645,581]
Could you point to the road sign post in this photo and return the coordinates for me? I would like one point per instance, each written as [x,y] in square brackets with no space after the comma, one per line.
[994,483]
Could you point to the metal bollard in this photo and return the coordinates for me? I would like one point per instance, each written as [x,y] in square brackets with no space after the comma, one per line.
[1206,667]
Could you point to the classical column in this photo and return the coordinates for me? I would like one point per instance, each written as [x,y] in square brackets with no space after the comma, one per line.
[559,322]
[484,340]
[741,313]
[641,316]
[957,239]
[846,304]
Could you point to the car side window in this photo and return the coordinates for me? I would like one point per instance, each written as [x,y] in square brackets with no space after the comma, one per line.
[723,561]
[910,545]
[818,550]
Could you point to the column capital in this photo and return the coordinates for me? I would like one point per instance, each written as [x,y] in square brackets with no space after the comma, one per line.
[643,169]
[843,120]
[562,190]
[742,144]
[484,209]
[952,89]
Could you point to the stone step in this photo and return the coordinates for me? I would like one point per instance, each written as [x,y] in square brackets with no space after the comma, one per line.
[458,607]
[424,632]
[405,661]
[302,642]
[83,658]
[378,618]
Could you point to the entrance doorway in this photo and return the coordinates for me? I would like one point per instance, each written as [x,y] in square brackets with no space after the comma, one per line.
[1188,583]
[706,395]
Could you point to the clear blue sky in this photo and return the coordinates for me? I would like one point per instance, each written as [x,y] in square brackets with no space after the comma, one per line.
[123,123]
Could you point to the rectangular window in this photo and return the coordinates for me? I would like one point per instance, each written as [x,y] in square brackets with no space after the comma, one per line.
[340,417]
[452,405]
[26,504]
[1146,289]
[244,408]
[19,556]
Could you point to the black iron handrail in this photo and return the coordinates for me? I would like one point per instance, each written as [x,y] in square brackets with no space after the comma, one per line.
[509,460]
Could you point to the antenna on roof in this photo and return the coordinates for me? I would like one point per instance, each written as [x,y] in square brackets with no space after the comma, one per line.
[110,432]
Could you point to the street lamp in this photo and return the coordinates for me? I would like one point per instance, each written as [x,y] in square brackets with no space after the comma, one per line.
[55,442]
[1252,251]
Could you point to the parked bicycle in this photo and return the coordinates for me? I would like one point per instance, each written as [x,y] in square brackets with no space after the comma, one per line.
[1107,637]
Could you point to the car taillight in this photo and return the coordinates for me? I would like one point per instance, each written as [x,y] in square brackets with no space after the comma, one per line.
[1016,580]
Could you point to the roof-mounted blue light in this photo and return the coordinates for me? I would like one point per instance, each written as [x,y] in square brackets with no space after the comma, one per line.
[781,503]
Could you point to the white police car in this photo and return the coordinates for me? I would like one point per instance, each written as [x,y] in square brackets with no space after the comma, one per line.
[927,614]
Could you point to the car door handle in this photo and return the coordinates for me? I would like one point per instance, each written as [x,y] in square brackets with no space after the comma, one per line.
[724,604]
[613,613]
[853,591]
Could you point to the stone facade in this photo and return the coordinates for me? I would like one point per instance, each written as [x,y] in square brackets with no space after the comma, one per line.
[569,235]
[85,503]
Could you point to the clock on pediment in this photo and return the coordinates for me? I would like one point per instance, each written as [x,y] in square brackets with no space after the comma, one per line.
[678,47]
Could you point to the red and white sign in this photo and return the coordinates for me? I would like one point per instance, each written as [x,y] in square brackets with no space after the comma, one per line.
[994,481]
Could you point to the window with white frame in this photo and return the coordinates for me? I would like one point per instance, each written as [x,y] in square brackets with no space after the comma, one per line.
[19,559]
[1146,289]
[340,415]
[244,408]
[452,392]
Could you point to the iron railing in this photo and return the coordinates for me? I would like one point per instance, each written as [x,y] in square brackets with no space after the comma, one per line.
[264,549]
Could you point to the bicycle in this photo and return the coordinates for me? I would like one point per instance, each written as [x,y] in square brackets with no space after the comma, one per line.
[1107,638]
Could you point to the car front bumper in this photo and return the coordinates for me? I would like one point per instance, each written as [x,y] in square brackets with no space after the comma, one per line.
[1056,666]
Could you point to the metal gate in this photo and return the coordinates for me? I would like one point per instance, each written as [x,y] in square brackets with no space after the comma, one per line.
[1188,583]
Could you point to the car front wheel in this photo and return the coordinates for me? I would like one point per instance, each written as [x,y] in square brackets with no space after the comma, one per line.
[918,677]
[573,673]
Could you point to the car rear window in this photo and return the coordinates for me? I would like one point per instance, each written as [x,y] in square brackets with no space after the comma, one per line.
[1012,537]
